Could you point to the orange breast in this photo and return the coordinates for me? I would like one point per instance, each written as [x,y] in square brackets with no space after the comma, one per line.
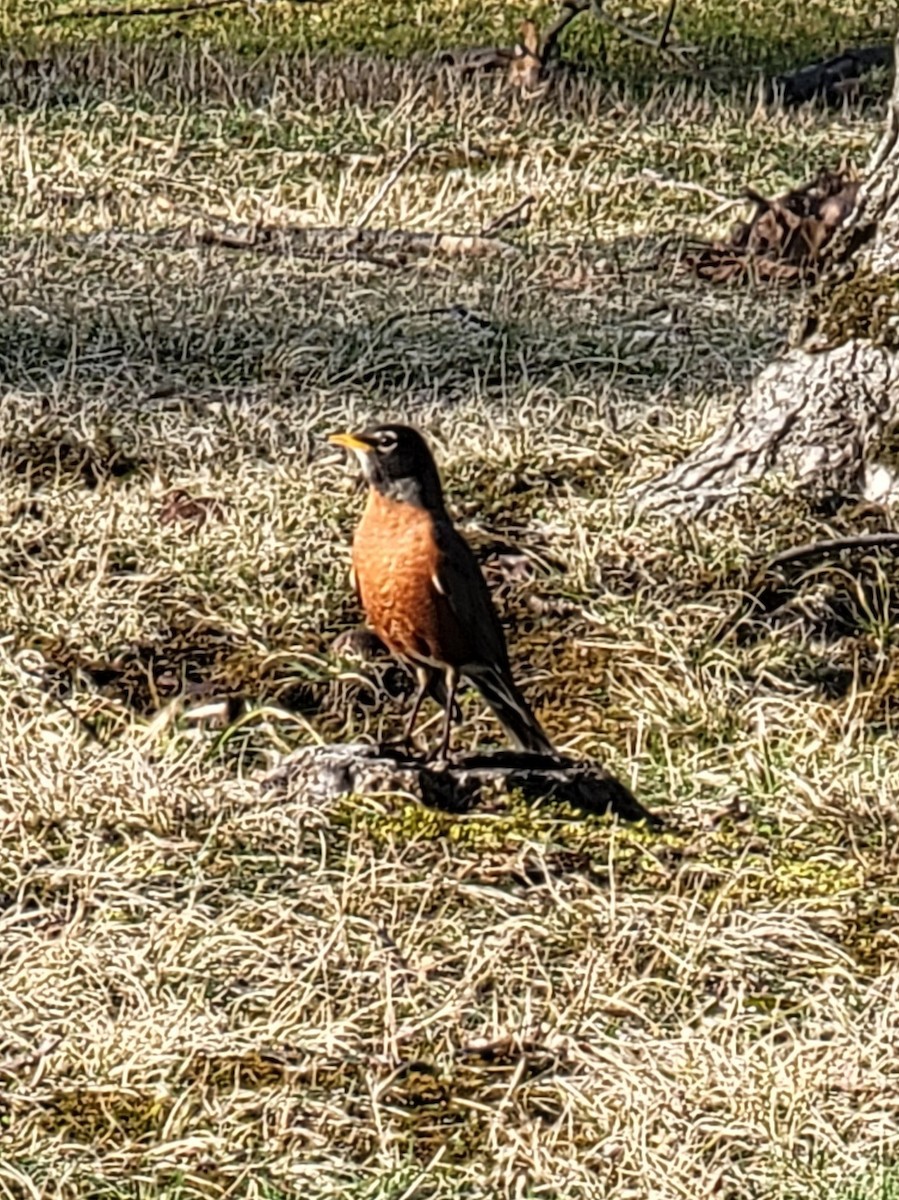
[395,560]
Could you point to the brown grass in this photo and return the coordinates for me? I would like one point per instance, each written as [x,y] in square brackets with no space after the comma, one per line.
[213,989]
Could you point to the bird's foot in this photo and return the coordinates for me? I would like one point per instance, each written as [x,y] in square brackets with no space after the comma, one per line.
[398,750]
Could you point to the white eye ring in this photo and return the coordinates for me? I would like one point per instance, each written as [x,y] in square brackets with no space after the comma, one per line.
[387,441]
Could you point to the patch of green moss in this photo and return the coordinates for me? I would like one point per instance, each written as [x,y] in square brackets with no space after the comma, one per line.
[863,305]
[641,859]
[89,1116]
[505,824]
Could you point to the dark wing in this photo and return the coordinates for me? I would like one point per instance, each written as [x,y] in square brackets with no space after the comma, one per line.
[464,589]
[461,582]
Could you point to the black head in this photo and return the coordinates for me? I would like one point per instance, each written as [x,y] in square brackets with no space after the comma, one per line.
[396,460]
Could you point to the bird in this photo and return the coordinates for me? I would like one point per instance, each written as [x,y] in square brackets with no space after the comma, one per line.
[423,591]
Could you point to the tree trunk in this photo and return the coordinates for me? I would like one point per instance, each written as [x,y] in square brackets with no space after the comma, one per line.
[821,410]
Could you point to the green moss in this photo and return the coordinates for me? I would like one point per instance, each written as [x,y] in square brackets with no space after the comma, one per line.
[863,305]
[642,860]
[92,1116]
[398,820]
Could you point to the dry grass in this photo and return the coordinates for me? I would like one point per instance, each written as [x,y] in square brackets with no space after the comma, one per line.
[213,989]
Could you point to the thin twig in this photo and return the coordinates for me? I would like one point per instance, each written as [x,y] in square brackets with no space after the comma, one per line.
[636,35]
[507,219]
[212,237]
[570,10]
[162,10]
[350,242]
[386,184]
[830,545]
[666,28]
[751,603]
[660,181]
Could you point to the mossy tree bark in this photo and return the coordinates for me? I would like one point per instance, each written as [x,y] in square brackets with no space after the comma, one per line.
[821,411]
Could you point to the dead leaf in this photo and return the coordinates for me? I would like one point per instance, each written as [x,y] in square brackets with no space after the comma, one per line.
[786,237]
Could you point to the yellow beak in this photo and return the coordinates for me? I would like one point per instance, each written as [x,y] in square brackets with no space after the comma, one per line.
[350,441]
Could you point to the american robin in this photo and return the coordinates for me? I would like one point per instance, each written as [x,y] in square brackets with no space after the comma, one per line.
[422,589]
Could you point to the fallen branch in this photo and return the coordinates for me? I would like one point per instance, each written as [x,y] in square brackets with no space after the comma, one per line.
[322,773]
[477,58]
[570,10]
[161,10]
[356,243]
[666,25]
[628,31]
[680,185]
[833,546]
[532,56]
[513,218]
[573,8]
[659,43]
[764,593]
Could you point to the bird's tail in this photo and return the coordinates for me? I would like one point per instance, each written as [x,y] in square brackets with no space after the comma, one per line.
[512,710]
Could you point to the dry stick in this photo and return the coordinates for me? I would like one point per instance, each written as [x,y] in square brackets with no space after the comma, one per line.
[505,219]
[666,28]
[635,34]
[162,10]
[657,180]
[600,13]
[570,10]
[815,549]
[728,625]
[332,770]
[349,243]
[386,185]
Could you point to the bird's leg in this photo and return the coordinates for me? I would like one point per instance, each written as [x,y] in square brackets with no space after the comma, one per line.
[452,682]
[437,692]
[423,675]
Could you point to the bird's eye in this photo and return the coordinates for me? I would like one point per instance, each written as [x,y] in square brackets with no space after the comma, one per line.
[387,441]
